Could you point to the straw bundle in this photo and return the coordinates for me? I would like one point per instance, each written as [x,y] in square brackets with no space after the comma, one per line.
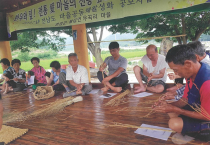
[1,80]
[43,92]
[8,134]
[49,110]
[118,100]
[199,109]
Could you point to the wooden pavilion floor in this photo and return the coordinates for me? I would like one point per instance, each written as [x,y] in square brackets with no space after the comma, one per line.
[83,122]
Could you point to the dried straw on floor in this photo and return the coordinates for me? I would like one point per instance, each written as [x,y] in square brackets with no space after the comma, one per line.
[117,100]
[49,110]
[18,94]
[8,134]
[117,124]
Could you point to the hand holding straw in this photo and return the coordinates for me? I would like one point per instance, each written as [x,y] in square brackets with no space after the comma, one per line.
[150,80]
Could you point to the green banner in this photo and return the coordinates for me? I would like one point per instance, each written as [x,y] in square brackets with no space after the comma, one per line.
[60,13]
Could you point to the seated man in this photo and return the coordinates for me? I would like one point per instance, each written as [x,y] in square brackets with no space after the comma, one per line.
[201,56]
[37,71]
[117,65]
[53,77]
[75,81]
[15,77]
[183,118]
[5,63]
[153,72]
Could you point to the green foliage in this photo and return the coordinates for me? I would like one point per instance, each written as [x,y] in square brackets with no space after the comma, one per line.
[45,62]
[43,54]
[38,39]
[24,57]
[192,23]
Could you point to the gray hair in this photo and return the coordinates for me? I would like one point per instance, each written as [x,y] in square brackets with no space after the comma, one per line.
[197,47]
[72,54]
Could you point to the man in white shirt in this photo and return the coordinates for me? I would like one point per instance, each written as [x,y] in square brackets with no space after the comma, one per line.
[153,72]
[77,78]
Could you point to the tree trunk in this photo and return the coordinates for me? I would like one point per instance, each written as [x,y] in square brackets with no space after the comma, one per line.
[184,29]
[95,47]
[97,55]
[165,45]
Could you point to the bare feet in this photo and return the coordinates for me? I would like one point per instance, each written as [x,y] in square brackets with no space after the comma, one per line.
[117,89]
[6,91]
[142,89]
[78,92]
[105,89]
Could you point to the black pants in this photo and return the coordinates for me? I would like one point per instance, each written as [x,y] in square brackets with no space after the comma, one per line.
[17,87]
[58,87]
[179,80]
[119,81]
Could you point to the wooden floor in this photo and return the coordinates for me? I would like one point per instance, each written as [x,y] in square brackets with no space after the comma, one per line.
[83,122]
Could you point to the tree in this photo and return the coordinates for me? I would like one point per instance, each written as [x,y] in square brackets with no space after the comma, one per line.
[38,39]
[192,23]
[94,47]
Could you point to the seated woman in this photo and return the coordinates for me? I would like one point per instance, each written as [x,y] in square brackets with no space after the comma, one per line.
[53,77]
[5,63]
[15,77]
[1,113]
[37,71]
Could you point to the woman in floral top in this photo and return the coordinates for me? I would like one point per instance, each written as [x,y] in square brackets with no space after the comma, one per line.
[37,71]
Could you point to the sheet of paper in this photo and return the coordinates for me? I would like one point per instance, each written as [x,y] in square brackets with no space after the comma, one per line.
[143,94]
[164,135]
[112,94]
[31,80]
[94,91]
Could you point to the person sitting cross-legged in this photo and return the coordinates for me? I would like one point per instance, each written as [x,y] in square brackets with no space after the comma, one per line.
[53,77]
[5,63]
[153,71]
[117,78]
[15,77]
[190,115]
[76,81]
[37,71]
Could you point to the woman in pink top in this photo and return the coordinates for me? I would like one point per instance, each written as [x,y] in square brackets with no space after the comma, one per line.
[37,71]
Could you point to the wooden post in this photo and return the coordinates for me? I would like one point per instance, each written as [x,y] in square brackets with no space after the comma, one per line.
[5,50]
[80,45]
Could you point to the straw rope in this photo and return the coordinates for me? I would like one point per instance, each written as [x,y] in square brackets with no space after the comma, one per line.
[198,108]
[19,95]
[44,92]
[48,110]
[117,100]
[117,124]
[8,134]
[72,91]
